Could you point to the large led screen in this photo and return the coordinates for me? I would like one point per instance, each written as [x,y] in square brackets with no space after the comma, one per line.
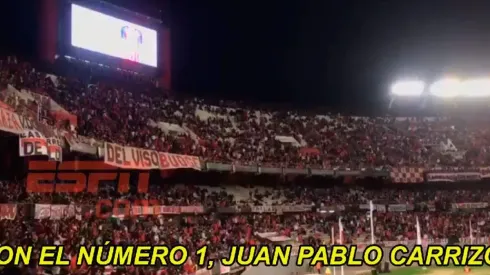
[95,31]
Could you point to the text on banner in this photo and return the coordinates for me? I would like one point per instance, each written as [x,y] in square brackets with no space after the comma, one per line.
[137,158]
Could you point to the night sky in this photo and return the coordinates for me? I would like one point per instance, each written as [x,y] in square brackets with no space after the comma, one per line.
[323,53]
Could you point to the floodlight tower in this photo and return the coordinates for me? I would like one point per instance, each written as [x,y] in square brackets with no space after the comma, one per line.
[408,89]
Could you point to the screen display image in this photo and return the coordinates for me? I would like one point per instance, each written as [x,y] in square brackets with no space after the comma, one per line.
[97,32]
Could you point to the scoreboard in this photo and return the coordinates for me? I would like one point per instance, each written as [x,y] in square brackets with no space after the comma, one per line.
[102,33]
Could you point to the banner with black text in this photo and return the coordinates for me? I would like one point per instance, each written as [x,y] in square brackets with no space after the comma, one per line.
[34,143]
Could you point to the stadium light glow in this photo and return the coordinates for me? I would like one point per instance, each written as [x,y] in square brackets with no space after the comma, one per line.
[476,88]
[446,88]
[408,88]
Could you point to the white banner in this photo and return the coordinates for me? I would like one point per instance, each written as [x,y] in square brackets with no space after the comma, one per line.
[263,209]
[453,176]
[377,207]
[470,205]
[279,208]
[400,207]
[142,210]
[34,143]
[144,159]
[485,172]
[57,211]
[42,211]
[266,235]
[54,212]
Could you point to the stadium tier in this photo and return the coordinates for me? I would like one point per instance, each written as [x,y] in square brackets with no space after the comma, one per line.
[222,174]
[98,119]
[95,153]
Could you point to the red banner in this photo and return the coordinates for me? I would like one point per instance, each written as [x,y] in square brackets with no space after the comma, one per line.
[192,209]
[163,209]
[6,106]
[55,151]
[309,151]
[32,143]
[61,116]
[10,122]
[137,158]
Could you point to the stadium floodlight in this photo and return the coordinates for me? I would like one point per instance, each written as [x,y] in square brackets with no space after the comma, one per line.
[476,88]
[408,88]
[447,88]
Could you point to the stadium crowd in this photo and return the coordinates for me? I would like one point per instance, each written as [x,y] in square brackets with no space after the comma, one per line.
[124,109]
[219,230]
[129,111]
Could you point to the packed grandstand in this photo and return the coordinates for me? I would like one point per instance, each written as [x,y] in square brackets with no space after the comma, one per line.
[266,176]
